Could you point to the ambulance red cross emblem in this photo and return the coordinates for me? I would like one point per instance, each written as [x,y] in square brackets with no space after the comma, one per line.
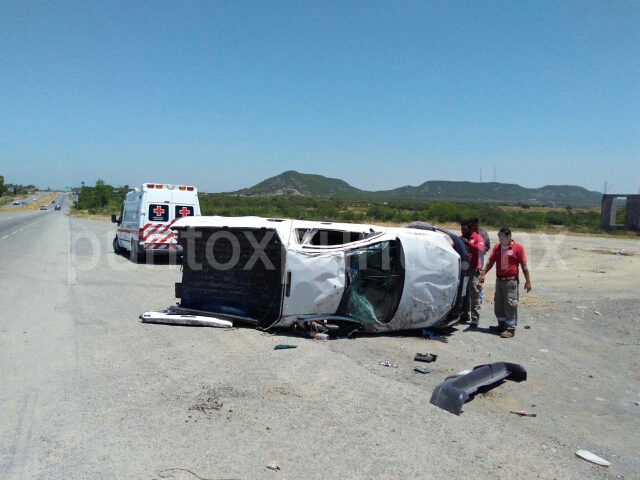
[184,211]
[159,211]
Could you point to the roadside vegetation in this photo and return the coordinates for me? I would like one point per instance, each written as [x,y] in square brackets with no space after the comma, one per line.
[10,191]
[105,200]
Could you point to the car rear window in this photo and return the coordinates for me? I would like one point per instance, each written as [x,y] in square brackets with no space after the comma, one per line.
[158,213]
[183,211]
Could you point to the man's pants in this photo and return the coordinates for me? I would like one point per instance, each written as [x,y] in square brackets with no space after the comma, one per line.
[482,265]
[506,302]
[471,305]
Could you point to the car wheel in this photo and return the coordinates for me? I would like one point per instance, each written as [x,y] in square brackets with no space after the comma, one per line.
[134,255]
[117,248]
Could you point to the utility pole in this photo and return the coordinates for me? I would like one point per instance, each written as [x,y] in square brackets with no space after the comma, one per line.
[480,175]
[494,174]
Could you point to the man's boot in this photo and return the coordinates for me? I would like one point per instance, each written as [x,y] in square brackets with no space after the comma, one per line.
[498,328]
[508,333]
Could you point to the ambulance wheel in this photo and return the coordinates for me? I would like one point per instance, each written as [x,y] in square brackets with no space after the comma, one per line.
[117,248]
[134,255]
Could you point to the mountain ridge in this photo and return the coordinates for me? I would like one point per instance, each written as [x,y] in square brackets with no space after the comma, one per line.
[292,182]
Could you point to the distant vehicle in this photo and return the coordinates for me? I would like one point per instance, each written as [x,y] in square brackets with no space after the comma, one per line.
[43,207]
[273,272]
[16,202]
[146,215]
[57,207]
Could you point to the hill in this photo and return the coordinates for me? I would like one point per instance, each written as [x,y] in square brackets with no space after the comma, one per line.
[295,183]
[556,195]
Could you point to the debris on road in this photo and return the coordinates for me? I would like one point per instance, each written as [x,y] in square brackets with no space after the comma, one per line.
[388,363]
[612,252]
[527,327]
[434,336]
[522,413]
[188,320]
[421,369]
[593,458]
[273,466]
[284,347]
[425,357]
[451,394]
[207,406]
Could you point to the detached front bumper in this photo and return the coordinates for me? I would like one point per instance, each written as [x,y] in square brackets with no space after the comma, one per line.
[452,394]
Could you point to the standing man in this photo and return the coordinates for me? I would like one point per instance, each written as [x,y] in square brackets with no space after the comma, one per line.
[475,246]
[487,243]
[507,255]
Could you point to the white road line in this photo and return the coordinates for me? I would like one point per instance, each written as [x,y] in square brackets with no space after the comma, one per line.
[13,233]
[6,236]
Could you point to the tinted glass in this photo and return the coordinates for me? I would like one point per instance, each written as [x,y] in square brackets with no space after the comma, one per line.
[183,211]
[158,213]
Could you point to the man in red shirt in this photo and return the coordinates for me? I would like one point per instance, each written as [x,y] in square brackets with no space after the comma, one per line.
[507,255]
[475,247]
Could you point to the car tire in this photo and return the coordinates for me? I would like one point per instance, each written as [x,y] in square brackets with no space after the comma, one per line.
[117,248]
[134,255]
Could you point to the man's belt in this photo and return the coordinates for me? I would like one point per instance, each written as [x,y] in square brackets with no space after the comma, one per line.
[504,279]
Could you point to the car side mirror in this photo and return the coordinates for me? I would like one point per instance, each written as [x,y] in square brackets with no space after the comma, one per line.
[113,219]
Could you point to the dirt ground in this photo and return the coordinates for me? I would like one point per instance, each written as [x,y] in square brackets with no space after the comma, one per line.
[580,350]
[578,337]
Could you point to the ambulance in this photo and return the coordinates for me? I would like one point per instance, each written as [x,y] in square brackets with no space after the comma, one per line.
[147,215]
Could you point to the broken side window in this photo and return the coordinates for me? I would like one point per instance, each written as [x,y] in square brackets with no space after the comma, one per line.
[325,237]
[376,279]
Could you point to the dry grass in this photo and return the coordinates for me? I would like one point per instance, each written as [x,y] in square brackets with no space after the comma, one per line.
[72,212]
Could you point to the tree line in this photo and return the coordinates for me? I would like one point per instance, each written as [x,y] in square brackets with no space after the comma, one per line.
[105,199]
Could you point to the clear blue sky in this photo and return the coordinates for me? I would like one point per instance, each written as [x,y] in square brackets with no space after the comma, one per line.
[380,94]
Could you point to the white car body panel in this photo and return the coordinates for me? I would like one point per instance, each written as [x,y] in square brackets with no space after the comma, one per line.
[319,273]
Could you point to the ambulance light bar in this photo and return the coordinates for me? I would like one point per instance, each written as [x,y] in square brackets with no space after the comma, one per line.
[182,188]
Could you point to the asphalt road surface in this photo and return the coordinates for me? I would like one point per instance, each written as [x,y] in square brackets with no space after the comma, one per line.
[89,392]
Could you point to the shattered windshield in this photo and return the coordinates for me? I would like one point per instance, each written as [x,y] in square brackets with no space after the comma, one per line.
[376,280]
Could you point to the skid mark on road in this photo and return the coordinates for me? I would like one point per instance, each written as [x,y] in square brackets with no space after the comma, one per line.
[22,439]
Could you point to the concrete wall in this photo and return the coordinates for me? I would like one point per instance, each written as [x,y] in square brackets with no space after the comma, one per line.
[632,218]
[608,211]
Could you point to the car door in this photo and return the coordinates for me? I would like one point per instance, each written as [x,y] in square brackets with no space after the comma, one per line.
[315,281]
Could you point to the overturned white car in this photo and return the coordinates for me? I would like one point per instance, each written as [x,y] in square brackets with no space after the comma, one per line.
[272,272]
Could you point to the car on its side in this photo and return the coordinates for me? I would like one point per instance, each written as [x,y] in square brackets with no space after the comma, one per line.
[43,207]
[273,272]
